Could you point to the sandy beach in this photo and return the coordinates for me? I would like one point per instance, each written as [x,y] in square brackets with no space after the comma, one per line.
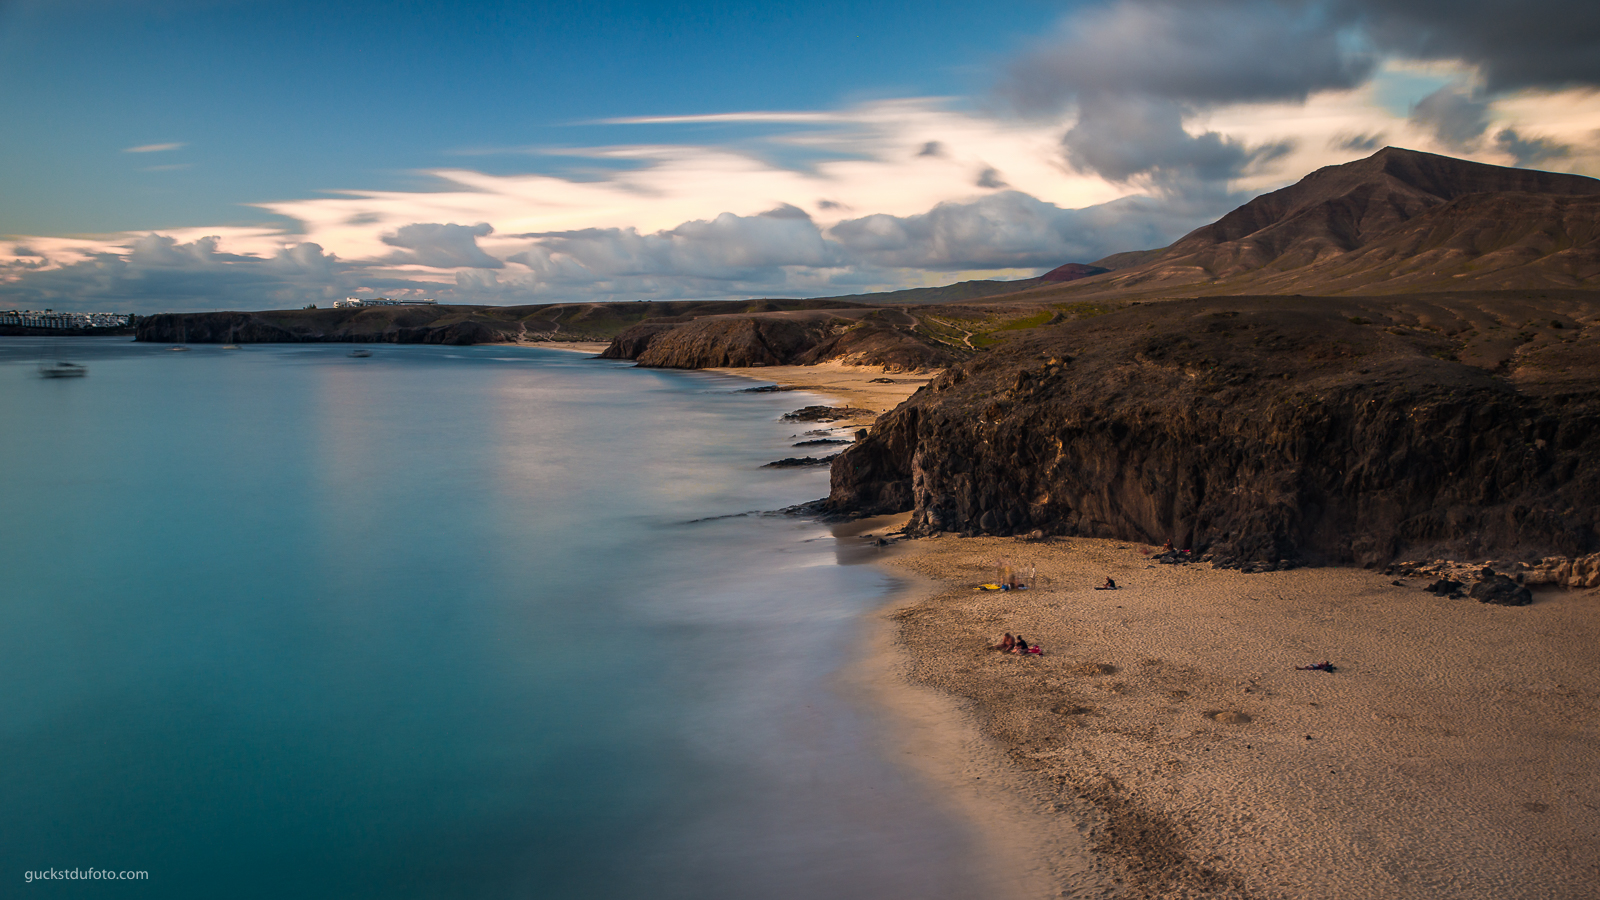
[1166,746]
[1452,752]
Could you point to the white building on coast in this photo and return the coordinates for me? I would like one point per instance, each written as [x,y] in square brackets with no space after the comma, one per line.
[31,318]
[380,301]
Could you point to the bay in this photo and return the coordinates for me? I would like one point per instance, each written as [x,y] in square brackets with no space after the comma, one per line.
[475,622]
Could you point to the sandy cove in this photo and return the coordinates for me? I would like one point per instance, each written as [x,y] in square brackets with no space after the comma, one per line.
[1453,753]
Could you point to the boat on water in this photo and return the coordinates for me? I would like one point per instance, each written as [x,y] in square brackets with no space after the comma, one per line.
[361,354]
[179,349]
[62,370]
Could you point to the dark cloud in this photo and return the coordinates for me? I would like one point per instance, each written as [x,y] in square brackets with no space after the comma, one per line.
[1531,151]
[1135,70]
[931,148]
[990,178]
[786,211]
[448,246]
[1213,51]
[1011,229]
[729,247]
[1456,115]
[1544,44]
[1120,137]
[829,204]
[1363,143]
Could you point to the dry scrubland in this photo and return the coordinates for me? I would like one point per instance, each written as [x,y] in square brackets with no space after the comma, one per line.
[1452,754]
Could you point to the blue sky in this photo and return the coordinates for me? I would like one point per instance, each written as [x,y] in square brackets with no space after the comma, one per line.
[194,154]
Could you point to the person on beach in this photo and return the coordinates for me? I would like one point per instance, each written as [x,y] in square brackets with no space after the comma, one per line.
[1021,645]
[1006,643]
[1110,584]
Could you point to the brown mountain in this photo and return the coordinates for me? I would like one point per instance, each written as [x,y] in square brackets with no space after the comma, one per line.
[1397,221]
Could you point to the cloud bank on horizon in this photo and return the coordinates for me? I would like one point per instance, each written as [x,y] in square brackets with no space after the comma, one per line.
[1129,124]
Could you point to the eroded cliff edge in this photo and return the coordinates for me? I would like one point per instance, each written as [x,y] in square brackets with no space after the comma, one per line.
[1265,430]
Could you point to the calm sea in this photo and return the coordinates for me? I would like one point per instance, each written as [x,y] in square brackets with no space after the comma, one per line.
[440,623]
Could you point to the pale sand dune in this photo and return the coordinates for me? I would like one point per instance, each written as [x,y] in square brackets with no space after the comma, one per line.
[1454,754]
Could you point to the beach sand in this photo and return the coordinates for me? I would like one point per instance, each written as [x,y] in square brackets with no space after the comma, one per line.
[1453,753]
[858,387]
[593,348]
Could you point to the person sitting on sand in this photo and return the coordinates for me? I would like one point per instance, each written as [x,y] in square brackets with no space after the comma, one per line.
[1110,584]
[1021,645]
[1006,643]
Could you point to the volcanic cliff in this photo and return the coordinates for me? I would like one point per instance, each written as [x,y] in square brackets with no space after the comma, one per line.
[1265,430]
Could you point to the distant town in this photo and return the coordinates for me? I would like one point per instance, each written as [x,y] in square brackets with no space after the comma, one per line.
[31,318]
[381,301]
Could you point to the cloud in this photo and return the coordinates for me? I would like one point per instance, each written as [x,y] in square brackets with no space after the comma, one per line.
[153,148]
[443,246]
[1221,51]
[158,272]
[1011,229]
[749,249]
[1359,143]
[931,148]
[1455,114]
[1549,44]
[1121,137]
[1135,71]
[990,178]
[1532,151]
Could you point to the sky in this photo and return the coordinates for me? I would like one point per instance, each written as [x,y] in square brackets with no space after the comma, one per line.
[178,155]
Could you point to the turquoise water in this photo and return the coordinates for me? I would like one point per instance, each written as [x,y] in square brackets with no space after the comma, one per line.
[441,623]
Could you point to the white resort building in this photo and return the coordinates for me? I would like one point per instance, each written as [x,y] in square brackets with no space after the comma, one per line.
[381,301]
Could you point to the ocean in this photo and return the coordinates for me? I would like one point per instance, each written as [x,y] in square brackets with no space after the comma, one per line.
[483,622]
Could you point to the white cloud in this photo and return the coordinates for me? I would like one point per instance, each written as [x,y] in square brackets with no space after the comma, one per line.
[892,194]
[153,148]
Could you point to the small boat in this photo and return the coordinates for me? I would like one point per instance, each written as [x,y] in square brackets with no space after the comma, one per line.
[230,346]
[179,349]
[62,370]
[360,354]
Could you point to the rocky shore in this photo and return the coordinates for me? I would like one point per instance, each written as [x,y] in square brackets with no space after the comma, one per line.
[1265,432]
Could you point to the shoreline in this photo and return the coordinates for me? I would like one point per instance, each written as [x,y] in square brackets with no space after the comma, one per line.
[1166,746]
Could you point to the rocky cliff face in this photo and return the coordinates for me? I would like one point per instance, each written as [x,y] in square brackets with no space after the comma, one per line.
[860,337]
[1263,430]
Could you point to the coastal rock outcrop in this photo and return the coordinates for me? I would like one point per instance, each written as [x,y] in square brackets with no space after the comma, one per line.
[1263,431]
[1562,571]
[858,336]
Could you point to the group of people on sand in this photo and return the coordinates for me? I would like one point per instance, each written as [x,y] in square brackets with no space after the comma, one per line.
[1017,644]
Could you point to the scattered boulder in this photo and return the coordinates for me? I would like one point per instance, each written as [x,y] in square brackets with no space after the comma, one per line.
[1444,586]
[826,414]
[1564,571]
[795,462]
[1501,590]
